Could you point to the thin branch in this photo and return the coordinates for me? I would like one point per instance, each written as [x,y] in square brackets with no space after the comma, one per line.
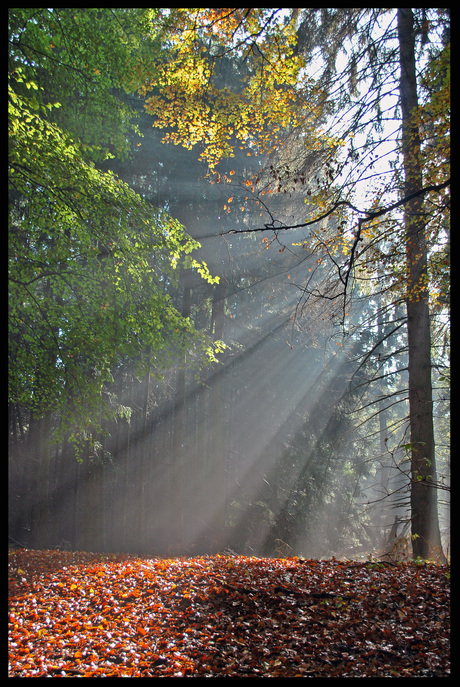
[369,215]
[379,342]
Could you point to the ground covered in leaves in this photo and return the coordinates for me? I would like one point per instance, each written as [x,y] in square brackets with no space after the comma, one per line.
[74,614]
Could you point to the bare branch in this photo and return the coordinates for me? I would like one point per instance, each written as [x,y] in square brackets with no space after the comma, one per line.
[369,216]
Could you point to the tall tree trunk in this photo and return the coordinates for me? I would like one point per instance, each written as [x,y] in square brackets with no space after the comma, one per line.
[39,435]
[91,517]
[425,526]
[144,472]
[217,466]
[179,484]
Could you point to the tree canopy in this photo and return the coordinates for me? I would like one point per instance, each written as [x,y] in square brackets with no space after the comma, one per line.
[90,259]
[304,155]
[249,106]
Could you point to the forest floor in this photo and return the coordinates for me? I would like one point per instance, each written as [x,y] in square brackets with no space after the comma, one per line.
[77,614]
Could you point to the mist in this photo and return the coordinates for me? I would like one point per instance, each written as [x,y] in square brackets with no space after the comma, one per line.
[294,442]
[262,453]
[257,454]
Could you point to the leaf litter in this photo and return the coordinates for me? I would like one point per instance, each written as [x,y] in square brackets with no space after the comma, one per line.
[79,614]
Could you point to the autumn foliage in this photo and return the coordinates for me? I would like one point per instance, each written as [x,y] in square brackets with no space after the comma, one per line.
[75,614]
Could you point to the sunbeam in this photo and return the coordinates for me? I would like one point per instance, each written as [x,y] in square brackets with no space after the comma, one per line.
[224,325]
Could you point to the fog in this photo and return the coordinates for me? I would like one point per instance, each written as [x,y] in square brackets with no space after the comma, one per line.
[259,454]
[277,449]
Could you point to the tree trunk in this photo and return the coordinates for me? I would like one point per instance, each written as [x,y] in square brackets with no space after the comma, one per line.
[217,466]
[39,434]
[144,472]
[179,482]
[426,540]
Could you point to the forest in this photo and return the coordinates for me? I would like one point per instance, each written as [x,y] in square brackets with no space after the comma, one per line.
[229,339]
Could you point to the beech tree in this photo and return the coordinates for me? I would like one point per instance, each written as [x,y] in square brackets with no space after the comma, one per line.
[89,258]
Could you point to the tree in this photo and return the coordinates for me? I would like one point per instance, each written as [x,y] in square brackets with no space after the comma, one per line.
[89,258]
[84,247]
[190,93]
[359,102]
[424,514]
